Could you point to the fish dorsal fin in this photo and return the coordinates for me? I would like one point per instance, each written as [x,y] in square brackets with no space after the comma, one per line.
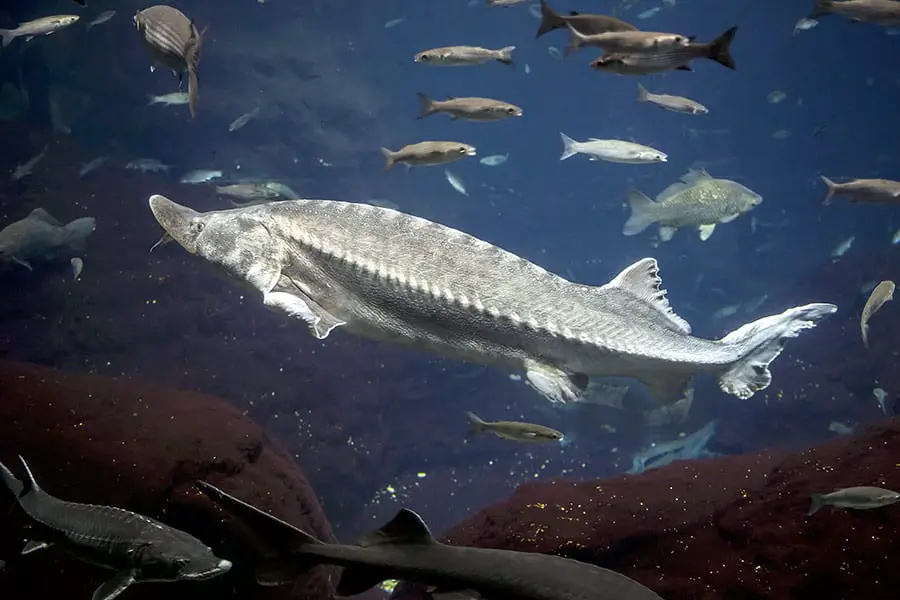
[695,175]
[30,482]
[42,215]
[405,528]
[642,279]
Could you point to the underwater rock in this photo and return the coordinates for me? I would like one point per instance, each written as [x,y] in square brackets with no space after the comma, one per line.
[731,527]
[141,446]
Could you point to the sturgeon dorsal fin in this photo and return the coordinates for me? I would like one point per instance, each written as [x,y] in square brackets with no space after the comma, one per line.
[42,215]
[642,279]
[30,482]
[405,528]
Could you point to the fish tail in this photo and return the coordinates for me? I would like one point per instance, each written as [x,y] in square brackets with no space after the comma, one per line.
[570,146]
[817,501]
[758,343]
[576,41]
[643,213]
[426,106]
[476,424]
[504,55]
[550,20]
[8,36]
[832,189]
[821,8]
[389,160]
[78,230]
[193,90]
[642,94]
[720,49]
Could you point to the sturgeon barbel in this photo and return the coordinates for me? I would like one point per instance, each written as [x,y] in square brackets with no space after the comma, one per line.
[385,275]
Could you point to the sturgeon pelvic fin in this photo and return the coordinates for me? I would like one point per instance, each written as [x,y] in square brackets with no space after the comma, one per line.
[760,342]
[297,304]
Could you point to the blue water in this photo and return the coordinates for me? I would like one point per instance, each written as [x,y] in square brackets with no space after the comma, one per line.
[840,82]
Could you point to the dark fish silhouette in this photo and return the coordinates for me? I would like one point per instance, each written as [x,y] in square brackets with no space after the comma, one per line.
[585,24]
[405,549]
[138,548]
[173,41]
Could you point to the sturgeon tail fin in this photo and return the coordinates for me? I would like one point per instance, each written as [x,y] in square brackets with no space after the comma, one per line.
[817,501]
[760,342]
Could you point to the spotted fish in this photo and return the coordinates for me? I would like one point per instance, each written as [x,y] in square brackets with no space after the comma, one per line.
[386,275]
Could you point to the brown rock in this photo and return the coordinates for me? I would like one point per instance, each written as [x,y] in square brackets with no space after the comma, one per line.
[726,528]
[141,447]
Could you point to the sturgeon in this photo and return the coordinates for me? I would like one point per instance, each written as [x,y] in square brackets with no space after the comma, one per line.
[136,547]
[385,275]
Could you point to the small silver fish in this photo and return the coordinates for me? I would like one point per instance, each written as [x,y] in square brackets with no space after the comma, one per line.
[718,50]
[147,165]
[678,104]
[842,248]
[103,17]
[455,182]
[468,109]
[200,176]
[243,119]
[883,292]
[464,56]
[804,24]
[871,191]
[25,168]
[617,151]
[857,498]
[494,160]
[172,99]
[627,42]
[42,26]
[514,430]
[92,165]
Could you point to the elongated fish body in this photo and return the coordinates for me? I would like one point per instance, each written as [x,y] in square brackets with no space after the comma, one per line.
[880,12]
[858,498]
[464,56]
[389,276]
[584,23]
[873,191]
[405,549]
[616,151]
[138,548]
[718,50]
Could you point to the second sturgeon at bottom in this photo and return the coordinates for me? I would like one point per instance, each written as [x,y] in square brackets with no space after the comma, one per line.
[386,275]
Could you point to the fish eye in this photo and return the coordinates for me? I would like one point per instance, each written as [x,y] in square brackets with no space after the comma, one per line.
[511,110]
[425,57]
[462,149]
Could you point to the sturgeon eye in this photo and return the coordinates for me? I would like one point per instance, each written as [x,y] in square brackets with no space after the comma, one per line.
[197,227]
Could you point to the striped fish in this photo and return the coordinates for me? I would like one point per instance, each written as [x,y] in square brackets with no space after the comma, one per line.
[173,41]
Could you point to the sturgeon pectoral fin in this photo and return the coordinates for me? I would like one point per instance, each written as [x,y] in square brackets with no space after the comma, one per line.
[666,233]
[24,263]
[554,384]
[296,304]
[706,231]
[31,546]
[115,586]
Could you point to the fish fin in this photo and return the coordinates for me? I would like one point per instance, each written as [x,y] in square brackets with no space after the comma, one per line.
[28,38]
[8,36]
[728,218]
[667,389]
[278,533]
[297,304]
[864,330]
[30,486]
[115,586]
[406,528]
[759,343]
[706,231]
[42,215]
[694,176]
[389,160]
[505,56]
[550,20]
[193,90]
[23,263]
[642,94]
[830,192]
[554,384]
[426,106]
[575,41]
[821,8]
[32,546]
[817,501]
[476,424]
[684,68]
[643,213]
[720,49]
[569,146]
[666,232]
[642,280]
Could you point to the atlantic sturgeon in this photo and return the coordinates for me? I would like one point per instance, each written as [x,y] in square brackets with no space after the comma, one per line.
[386,275]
